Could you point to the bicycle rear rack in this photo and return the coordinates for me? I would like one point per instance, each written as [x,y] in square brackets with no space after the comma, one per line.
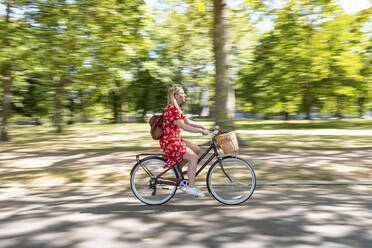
[148,154]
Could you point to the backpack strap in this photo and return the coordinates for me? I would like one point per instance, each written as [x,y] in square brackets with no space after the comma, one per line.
[168,124]
[160,119]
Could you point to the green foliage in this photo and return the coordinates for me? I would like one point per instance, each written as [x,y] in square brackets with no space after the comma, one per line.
[147,94]
[118,57]
[313,59]
[33,98]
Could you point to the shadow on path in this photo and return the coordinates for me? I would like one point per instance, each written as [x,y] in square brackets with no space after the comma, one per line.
[114,165]
[274,217]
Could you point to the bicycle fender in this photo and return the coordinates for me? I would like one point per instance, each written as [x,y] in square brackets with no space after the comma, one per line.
[225,157]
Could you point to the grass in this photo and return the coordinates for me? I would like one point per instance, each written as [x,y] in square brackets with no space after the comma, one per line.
[306,141]
[135,136]
[304,124]
[104,153]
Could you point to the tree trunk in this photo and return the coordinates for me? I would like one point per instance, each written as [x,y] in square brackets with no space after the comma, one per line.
[58,102]
[124,105]
[72,110]
[308,99]
[113,95]
[83,105]
[7,84]
[339,102]
[225,95]
[286,116]
[361,103]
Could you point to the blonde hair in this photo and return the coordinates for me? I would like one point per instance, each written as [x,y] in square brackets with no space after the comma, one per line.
[171,99]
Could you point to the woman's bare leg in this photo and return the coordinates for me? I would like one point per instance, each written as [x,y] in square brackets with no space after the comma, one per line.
[194,148]
[191,157]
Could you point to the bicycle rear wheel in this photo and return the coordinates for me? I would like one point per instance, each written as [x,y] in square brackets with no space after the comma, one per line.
[147,187]
[233,183]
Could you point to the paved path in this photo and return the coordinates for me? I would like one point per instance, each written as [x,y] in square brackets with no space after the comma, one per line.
[259,182]
[322,216]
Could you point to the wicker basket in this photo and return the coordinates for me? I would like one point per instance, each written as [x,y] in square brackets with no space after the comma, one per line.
[228,142]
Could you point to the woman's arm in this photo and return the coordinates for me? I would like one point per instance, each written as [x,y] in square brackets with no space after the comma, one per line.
[193,124]
[189,128]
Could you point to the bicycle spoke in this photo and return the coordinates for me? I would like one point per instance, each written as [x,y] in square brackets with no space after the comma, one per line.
[150,189]
[237,197]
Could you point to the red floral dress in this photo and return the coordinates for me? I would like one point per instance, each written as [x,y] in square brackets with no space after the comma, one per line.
[171,143]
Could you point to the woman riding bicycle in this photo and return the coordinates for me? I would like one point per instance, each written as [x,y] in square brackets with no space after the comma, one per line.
[174,147]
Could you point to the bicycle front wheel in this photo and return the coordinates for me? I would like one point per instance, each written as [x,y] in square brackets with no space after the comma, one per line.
[147,186]
[232,183]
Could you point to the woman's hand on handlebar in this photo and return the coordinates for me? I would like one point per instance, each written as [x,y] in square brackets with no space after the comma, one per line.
[214,131]
[204,131]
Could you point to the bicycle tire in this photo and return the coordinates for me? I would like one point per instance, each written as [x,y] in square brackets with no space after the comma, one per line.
[237,190]
[142,186]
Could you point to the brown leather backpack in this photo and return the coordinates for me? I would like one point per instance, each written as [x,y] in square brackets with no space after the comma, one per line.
[156,122]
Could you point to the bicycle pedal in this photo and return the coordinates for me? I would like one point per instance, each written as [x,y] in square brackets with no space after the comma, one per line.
[183,185]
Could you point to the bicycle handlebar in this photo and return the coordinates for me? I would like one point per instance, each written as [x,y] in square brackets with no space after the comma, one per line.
[214,131]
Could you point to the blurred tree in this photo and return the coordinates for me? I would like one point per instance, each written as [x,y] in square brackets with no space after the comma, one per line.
[13,50]
[91,43]
[32,98]
[311,58]
[60,44]
[181,51]
[94,57]
[272,81]
[6,69]
[225,95]
[117,29]
[364,29]
[147,93]
[193,30]
[365,97]
[338,60]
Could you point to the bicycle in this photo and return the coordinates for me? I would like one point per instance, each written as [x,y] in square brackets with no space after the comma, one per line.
[230,180]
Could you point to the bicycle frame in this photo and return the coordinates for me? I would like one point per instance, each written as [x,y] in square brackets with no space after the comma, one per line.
[215,154]
[230,179]
[177,181]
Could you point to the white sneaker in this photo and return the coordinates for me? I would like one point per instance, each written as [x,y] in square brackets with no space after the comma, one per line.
[194,191]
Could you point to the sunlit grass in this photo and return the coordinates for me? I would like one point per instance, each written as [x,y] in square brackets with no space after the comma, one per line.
[105,153]
[136,136]
[306,141]
[304,124]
